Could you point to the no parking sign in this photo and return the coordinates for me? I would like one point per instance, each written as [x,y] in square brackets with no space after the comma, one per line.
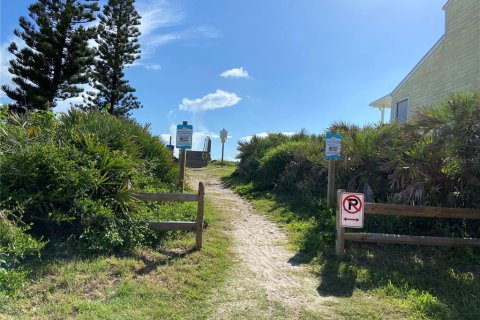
[352,210]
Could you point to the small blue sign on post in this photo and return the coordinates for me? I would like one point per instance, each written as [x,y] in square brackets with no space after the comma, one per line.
[333,146]
[184,136]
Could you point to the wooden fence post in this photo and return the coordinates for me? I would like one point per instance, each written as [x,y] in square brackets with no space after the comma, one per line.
[223,146]
[200,212]
[340,241]
[331,184]
[181,173]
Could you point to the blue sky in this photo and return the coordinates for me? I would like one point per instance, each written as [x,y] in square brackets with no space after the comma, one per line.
[255,66]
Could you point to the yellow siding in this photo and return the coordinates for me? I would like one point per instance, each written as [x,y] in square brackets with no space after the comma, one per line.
[453,66]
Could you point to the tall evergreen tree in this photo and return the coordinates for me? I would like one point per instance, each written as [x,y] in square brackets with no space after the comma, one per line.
[117,49]
[56,57]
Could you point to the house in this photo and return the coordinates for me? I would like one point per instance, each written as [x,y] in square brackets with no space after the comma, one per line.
[451,65]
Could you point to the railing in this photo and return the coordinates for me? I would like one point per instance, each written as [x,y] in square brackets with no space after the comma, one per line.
[406,211]
[179,225]
[207,146]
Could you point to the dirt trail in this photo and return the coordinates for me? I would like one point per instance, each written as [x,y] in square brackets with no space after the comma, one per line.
[266,282]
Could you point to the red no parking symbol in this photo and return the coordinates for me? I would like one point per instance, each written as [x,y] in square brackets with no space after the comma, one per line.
[352,204]
[351,210]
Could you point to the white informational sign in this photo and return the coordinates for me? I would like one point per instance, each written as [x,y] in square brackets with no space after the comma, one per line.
[352,209]
[184,136]
[223,135]
[333,145]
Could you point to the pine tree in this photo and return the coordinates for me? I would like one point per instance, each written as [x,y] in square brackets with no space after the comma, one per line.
[117,49]
[56,57]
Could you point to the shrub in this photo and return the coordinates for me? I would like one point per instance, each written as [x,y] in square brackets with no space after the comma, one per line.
[15,245]
[433,160]
[276,159]
[69,177]
[251,152]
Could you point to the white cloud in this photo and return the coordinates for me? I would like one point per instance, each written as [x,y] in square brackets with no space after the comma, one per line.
[156,40]
[233,159]
[216,100]
[158,14]
[65,105]
[5,57]
[148,66]
[265,134]
[166,138]
[162,39]
[235,73]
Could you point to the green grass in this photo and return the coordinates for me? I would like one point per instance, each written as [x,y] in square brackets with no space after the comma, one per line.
[173,281]
[404,281]
[169,282]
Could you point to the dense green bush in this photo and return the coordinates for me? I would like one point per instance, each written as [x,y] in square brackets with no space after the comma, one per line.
[433,160]
[252,151]
[296,167]
[15,245]
[276,159]
[72,177]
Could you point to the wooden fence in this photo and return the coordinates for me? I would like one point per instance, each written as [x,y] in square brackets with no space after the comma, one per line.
[406,211]
[179,225]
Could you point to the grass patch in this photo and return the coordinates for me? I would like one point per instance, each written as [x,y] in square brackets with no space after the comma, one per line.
[171,281]
[407,281]
[216,169]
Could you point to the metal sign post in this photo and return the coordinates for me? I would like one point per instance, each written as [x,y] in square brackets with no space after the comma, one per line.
[184,142]
[170,146]
[223,136]
[333,145]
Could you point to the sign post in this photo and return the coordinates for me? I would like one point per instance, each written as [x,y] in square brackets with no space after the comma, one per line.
[333,145]
[170,146]
[223,136]
[183,142]
[350,214]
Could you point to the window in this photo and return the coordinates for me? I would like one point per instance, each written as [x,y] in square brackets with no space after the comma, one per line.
[402,108]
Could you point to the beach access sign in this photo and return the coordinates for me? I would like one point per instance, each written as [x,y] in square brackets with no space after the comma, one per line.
[352,209]
[184,136]
[333,145]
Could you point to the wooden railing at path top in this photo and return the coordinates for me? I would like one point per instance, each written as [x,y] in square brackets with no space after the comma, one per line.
[406,211]
[196,225]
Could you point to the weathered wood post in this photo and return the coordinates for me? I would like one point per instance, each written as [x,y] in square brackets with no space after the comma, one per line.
[331,184]
[340,241]
[200,212]
[223,136]
[223,147]
[181,174]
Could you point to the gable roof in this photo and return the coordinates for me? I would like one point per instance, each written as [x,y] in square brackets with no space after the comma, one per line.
[447,4]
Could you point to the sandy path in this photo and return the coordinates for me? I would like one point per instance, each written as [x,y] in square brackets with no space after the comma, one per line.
[264,282]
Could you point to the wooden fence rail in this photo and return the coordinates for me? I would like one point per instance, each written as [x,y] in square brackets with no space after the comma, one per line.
[406,211]
[196,225]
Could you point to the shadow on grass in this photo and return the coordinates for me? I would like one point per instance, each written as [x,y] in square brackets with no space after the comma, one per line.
[167,256]
[434,282]
[57,254]
[437,282]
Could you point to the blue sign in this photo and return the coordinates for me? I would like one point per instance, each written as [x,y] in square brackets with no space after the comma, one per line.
[171,147]
[333,145]
[184,136]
